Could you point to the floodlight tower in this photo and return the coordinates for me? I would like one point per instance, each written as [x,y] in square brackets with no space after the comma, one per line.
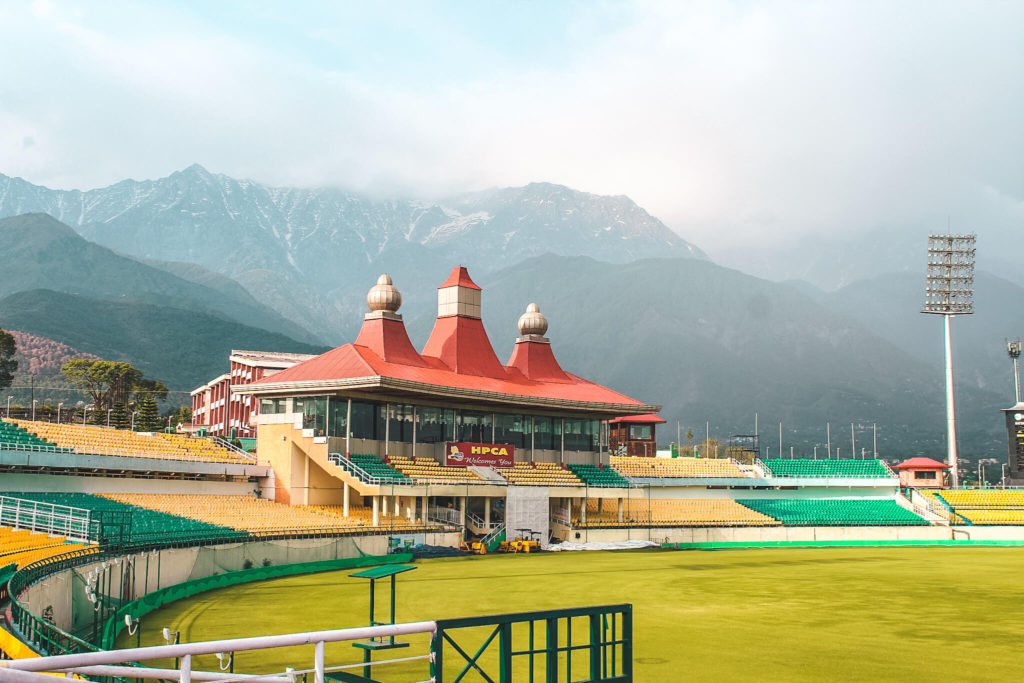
[950,291]
[1013,348]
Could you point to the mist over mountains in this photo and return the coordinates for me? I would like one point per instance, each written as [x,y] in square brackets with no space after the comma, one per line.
[201,262]
[306,252]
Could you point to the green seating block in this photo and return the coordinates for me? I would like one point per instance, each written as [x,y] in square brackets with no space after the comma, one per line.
[803,467]
[835,512]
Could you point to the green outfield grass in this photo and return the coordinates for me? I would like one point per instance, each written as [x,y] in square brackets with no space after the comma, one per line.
[779,614]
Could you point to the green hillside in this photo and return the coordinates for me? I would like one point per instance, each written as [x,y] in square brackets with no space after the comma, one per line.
[179,347]
[41,252]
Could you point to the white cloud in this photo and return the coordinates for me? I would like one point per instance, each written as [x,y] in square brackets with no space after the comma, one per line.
[733,123]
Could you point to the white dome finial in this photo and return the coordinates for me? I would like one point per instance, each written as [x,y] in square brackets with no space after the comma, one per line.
[533,323]
[384,296]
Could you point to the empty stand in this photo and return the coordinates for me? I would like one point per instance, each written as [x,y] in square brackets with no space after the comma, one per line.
[687,512]
[676,467]
[14,437]
[147,526]
[992,507]
[430,471]
[538,474]
[803,467]
[835,512]
[22,547]
[104,441]
[595,475]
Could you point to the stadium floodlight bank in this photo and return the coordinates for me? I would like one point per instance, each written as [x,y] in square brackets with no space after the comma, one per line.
[950,291]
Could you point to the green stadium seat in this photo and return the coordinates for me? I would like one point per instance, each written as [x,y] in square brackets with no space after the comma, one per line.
[835,512]
[816,469]
[593,475]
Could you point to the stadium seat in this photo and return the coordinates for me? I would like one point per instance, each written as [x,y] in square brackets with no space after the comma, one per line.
[538,474]
[835,512]
[105,441]
[979,506]
[594,475]
[686,512]
[429,471]
[676,467]
[814,469]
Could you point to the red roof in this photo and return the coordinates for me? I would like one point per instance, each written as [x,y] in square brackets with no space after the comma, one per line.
[459,278]
[458,356]
[648,418]
[920,463]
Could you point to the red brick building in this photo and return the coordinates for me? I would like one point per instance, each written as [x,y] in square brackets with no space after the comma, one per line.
[225,413]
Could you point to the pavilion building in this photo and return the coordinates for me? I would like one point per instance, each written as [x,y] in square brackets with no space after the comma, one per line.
[379,396]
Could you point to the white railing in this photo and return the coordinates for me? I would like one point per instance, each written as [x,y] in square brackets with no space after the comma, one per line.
[117,662]
[61,520]
[221,442]
[362,475]
[32,448]
[445,515]
[491,537]
[479,522]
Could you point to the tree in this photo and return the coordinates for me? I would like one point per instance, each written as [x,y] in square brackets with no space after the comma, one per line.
[148,419]
[119,418]
[7,363]
[111,382]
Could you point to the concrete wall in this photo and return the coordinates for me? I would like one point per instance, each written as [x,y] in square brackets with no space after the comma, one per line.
[798,533]
[134,575]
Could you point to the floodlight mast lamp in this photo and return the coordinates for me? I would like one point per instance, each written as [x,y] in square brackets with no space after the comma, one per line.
[1013,348]
[950,291]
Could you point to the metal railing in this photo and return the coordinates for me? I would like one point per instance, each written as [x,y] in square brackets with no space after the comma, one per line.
[364,476]
[601,650]
[221,442]
[445,516]
[62,520]
[605,645]
[33,448]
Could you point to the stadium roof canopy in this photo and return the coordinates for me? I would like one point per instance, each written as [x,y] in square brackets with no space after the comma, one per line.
[457,362]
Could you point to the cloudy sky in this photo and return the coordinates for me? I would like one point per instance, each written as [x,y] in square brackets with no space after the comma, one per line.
[735,123]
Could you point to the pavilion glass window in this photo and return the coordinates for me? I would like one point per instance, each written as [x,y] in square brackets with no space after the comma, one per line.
[400,425]
[581,435]
[367,420]
[314,415]
[337,412]
[512,429]
[434,425]
[547,433]
[473,426]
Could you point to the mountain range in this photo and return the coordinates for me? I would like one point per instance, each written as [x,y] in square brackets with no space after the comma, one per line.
[308,251]
[227,262]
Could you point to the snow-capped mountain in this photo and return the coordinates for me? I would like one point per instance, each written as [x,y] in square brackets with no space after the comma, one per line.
[308,252]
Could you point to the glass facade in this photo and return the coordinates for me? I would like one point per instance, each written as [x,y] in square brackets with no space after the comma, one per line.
[434,425]
[581,435]
[547,433]
[473,426]
[400,422]
[272,406]
[512,429]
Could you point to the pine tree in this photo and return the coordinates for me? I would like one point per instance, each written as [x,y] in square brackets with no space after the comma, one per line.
[119,418]
[148,419]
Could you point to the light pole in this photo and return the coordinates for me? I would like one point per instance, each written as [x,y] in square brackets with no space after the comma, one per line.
[34,410]
[134,413]
[949,291]
[1013,348]
[9,407]
[1004,475]
[59,406]
[108,416]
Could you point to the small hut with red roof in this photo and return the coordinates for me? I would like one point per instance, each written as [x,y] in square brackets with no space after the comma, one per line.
[922,473]
[634,435]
